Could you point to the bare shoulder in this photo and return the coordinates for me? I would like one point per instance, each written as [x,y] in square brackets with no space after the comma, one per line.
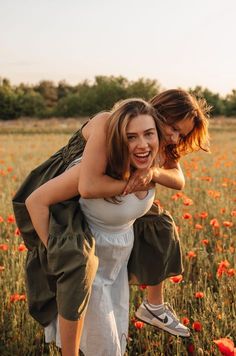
[97,124]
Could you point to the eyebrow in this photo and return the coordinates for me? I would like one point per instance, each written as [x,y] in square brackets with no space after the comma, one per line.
[151,129]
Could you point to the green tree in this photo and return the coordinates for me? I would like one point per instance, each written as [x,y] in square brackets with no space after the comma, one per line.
[32,104]
[48,91]
[9,106]
[63,89]
[143,88]
[107,91]
[68,106]
[213,99]
[230,104]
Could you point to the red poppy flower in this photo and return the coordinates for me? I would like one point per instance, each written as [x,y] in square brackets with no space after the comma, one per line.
[224,264]
[176,279]
[233,213]
[227,223]
[214,194]
[225,346]
[1,219]
[188,202]
[11,218]
[198,227]
[17,232]
[223,267]
[231,272]
[215,223]
[204,215]
[177,196]
[14,297]
[205,242]
[22,248]
[199,295]
[139,324]
[17,297]
[185,320]
[187,216]
[197,326]
[191,254]
[3,247]
[22,297]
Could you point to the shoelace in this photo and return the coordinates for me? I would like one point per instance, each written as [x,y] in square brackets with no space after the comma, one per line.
[168,308]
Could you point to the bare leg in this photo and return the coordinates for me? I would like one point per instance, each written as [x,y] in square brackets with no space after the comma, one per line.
[70,332]
[155,294]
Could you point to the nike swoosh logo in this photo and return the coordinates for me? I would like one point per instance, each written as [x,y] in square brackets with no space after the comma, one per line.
[165,320]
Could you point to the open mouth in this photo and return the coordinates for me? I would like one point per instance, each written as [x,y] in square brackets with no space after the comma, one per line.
[142,157]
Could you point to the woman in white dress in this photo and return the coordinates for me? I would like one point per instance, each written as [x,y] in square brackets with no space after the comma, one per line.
[133,133]
[106,321]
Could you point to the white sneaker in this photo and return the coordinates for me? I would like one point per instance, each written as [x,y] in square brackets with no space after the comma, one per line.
[163,318]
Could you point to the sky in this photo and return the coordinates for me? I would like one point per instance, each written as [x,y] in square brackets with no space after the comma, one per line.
[180,43]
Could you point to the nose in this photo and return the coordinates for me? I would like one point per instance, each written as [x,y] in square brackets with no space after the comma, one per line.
[175,137]
[142,143]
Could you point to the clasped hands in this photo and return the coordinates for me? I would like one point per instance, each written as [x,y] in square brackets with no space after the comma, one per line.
[140,180]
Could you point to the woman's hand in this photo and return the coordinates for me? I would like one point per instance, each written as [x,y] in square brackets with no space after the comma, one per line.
[141,179]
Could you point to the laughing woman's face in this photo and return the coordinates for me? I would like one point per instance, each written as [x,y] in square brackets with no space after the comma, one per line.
[143,142]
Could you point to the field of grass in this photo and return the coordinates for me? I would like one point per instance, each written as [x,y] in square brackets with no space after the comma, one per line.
[205,213]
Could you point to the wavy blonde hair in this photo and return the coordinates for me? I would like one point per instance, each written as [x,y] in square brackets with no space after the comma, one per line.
[175,105]
[117,143]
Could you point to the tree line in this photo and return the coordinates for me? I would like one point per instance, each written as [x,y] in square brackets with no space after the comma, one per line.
[46,99]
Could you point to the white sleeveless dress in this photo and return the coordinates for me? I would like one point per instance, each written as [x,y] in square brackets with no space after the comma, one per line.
[106,320]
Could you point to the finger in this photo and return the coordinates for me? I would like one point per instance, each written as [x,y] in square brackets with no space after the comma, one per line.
[128,187]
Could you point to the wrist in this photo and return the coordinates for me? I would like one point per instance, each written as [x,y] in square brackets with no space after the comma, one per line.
[155,174]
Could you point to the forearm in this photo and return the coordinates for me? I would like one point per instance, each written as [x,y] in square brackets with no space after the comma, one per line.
[171,178]
[39,215]
[101,186]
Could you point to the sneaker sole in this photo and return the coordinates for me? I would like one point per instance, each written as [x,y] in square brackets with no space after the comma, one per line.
[163,328]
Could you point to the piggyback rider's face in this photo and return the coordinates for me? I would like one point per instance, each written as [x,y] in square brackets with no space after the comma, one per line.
[175,131]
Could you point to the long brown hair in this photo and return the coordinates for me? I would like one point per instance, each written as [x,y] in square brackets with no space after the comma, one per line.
[176,104]
[117,144]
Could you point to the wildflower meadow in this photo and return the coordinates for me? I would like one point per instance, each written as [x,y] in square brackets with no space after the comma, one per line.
[205,215]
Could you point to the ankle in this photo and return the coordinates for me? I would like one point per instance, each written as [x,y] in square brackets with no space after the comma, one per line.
[155,301]
[155,306]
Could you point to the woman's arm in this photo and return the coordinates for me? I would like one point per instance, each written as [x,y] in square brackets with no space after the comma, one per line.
[58,189]
[170,176]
